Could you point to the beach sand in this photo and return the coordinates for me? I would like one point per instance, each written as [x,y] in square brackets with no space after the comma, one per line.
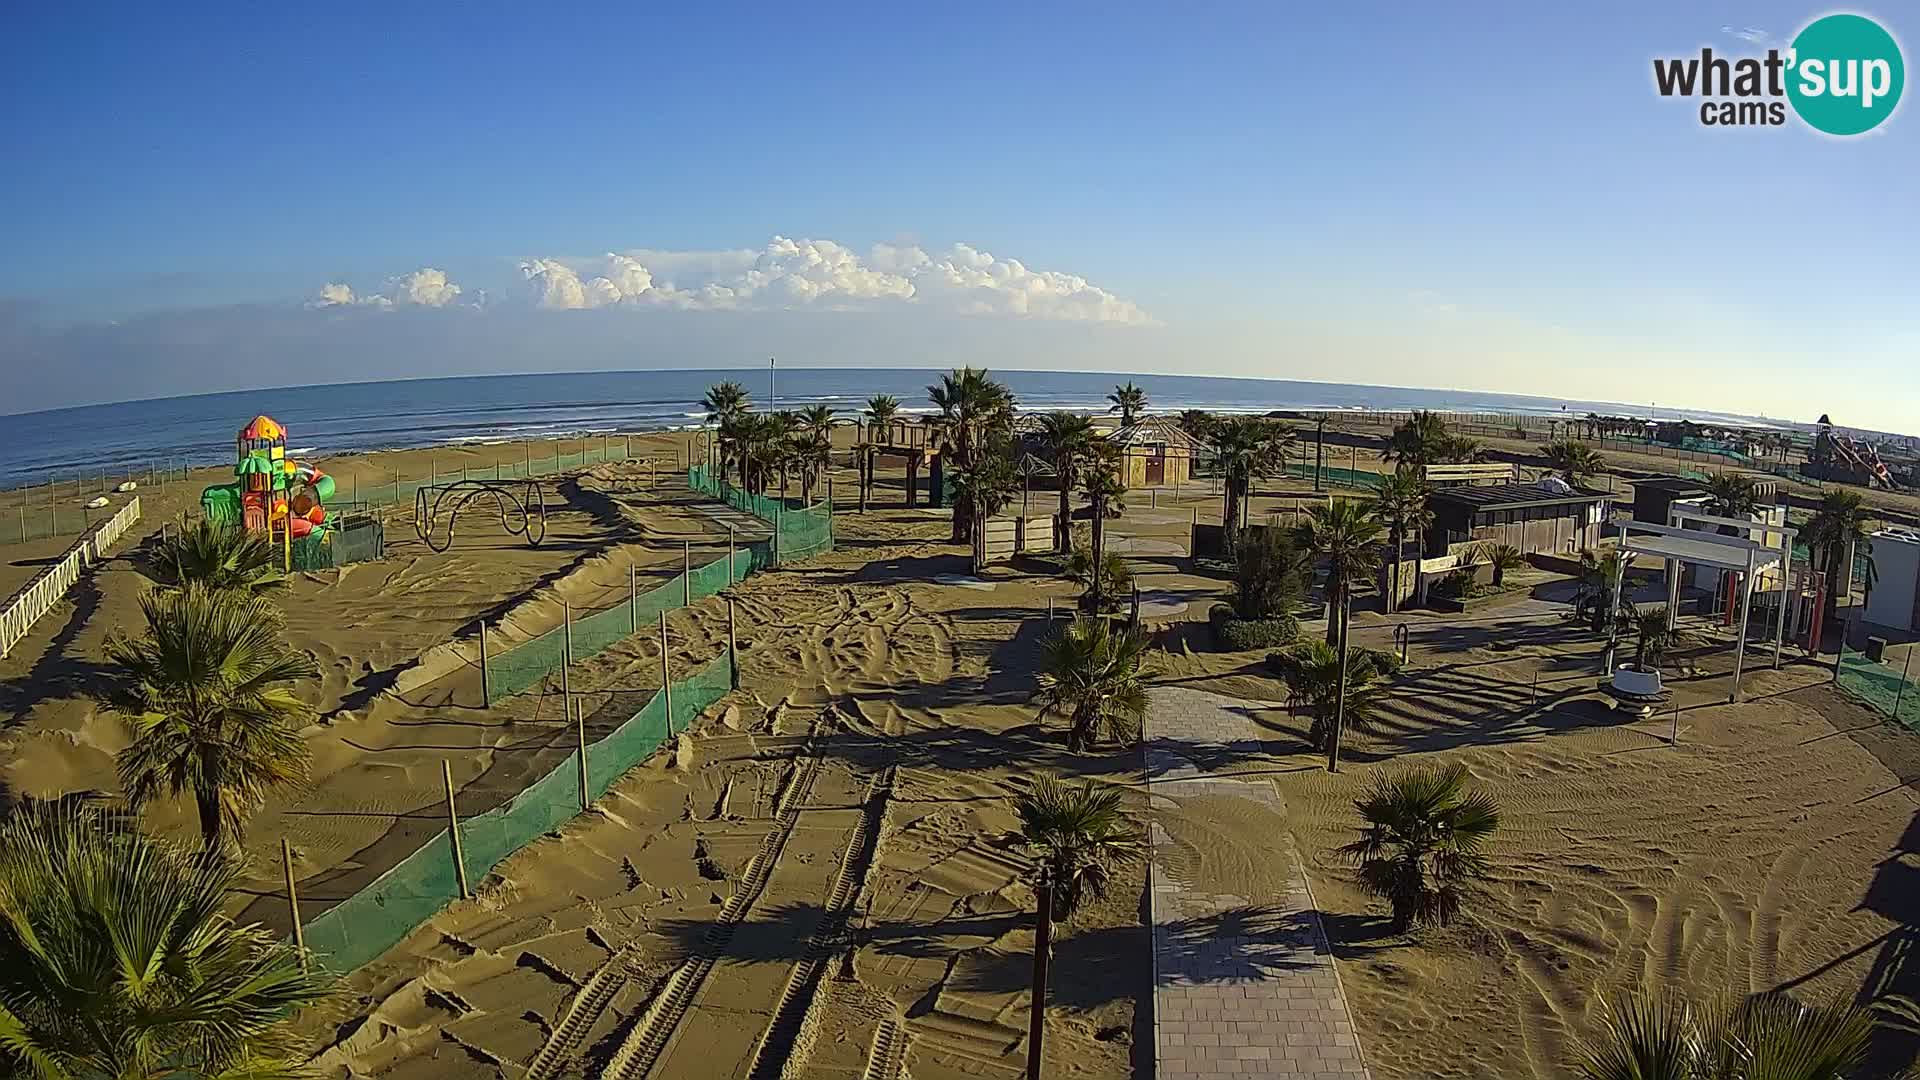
[830,847]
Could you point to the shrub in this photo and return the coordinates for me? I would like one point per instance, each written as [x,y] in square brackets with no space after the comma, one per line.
[1458,584]
[1235,634]
[1267,573]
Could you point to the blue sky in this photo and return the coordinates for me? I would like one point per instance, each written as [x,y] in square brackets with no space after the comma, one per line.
[1488,198]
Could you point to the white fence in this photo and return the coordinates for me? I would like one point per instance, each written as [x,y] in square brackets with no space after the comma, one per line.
[44,591]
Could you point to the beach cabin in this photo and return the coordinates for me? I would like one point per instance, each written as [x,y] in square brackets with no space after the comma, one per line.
[1155,452]
[1546,516]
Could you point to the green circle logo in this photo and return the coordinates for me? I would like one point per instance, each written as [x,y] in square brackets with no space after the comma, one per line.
[1844,74]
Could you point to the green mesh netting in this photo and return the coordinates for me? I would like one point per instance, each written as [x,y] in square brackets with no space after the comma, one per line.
[798,533]
[1880,687]
[380,916]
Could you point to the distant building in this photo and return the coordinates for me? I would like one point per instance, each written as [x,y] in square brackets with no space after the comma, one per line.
[1155,452]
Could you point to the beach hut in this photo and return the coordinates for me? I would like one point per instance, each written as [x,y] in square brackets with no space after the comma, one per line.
[1155,452]
[1546,516]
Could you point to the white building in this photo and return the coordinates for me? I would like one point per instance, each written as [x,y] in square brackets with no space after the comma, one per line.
[1895,600]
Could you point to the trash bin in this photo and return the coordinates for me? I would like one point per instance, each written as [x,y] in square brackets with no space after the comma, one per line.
[1877,649]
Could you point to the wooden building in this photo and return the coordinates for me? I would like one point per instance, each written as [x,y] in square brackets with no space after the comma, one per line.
[1155,452]
[1539,517]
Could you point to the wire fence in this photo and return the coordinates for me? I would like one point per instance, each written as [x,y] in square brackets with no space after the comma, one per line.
[1884,687]
[381,915]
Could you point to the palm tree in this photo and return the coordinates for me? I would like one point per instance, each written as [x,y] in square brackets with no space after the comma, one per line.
[1311,671]
[222,557]
[975,411]
[1100,484]
[1732,495]
[1593,591]
[1400,504]
[117,962]
[813,447]
[1347,537]
[1080,836]
[1504,557]
[1770,1035]
[1245,447]
[881,411]
[1424,842]
[725,403]
[1419,440]
[1839,525]
[987,486]
[1068,437]
[1129,401]
[208,699]
[1115,579]
[1650,628]
[1198,423]
[1574,460]
[1094,674]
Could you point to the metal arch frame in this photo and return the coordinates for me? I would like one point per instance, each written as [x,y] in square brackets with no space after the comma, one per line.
[530,506]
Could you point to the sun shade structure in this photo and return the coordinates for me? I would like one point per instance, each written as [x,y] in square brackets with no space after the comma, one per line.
[1753,549]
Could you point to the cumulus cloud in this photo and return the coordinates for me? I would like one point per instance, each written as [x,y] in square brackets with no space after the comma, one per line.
[425,287]
[793,274]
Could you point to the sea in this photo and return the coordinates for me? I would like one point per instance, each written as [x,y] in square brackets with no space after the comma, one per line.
[406,414]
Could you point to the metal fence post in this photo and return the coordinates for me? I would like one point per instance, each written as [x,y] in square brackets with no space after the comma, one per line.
[1900,692]
[733,648]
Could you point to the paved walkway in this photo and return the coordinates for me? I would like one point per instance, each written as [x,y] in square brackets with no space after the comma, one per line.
[1243,985]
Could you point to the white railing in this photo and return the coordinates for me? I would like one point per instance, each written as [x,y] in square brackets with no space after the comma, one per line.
[38,597]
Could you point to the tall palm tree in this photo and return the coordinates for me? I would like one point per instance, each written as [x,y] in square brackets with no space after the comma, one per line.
[1346,536]
[1400,504]
[208,698]
[1101,486]
[222,557]
[1129,401]
[1068,438]
[987,486]
[1424,842]
[1080,837]
[1574,460]
[1839,525]
[975,412]
[725,403]
[813,447]
[117,961]
[1198,423]
[1311,671]
[1732,495]
[882,409]
[1771,1036]
[1245,447]
[1094,674]
[1418,440]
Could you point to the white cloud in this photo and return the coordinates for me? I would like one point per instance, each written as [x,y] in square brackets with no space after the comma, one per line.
[797,274]
[1753,35]
[425,287]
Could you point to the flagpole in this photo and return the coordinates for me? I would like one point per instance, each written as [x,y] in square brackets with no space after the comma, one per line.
[773,387]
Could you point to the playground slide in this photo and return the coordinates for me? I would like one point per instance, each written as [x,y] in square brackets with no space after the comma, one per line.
[306,503]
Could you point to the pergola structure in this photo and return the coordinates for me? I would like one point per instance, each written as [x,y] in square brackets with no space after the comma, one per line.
[1739,552]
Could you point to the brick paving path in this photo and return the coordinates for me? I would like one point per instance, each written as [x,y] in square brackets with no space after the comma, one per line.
[1243,985]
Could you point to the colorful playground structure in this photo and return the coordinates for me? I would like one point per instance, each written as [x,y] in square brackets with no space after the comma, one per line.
[271,493]
[1835,456]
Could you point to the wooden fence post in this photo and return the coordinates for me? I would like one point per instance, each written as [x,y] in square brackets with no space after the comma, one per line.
[686,573]
[666,673]
[486,687]
[566,647]
[293,901]
[733,648]
[633,597]
[580,737]
[453,831]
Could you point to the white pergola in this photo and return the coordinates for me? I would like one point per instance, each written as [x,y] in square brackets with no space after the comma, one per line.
[1740,553]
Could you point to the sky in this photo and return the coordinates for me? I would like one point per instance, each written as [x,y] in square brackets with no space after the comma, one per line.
[1488,197]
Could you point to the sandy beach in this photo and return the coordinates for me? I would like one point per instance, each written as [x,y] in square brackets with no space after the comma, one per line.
[831,848]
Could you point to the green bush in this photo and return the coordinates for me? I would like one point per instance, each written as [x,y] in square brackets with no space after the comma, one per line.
[1231,633]
[1384,662]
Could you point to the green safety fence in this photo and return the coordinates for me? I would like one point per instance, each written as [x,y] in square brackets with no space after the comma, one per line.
[526,664]
[798,533]
[387,489]
[360,540]
[378,917]
[1885,688]
[1354,478]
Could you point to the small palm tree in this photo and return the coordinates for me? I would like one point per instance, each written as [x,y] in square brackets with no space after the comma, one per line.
[117,962]
[987,486]
[1116,579]
[1772,1036]
[1421,439]
[975,412]
[1504,557]
[1400,504]
[881,411]
[1652,637]
[208,699]
[1574,460]
[1080,835]
[1095,675]
[1593,590]
[1311,670]
[1732,495]
[1346,537]
[219,556]
[1067,437]
[1129,401]
[1424,842]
